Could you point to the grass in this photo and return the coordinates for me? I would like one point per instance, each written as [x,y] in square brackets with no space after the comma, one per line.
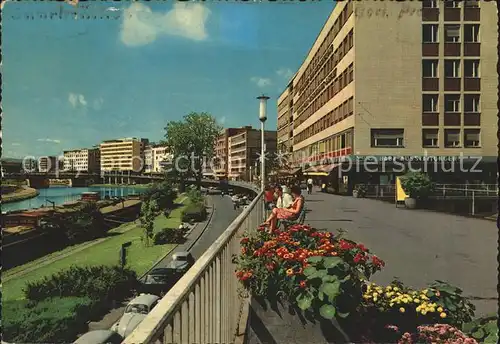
[139,257]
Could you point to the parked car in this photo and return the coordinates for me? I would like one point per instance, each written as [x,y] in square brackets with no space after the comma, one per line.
[134,314]
[100,337]
[181,261]
[159,281]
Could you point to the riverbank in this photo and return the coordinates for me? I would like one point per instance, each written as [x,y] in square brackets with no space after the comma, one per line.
[21,193]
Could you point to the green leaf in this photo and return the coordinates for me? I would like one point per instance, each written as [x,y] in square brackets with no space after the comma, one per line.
[479,334]
[492,338]
[317,274]
[315,259]
[309,271]
[331,289]
[343,315]
[329,278]
[327,311]
[321,296]
[331,262]
[304,301]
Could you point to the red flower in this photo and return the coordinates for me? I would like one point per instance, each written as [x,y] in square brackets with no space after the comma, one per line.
[244,241]
[270,266]
[377,261]
[303,284]
[344,245]
[359,257]
[361,247]
[243,250]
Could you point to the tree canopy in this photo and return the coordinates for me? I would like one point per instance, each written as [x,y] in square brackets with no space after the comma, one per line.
[192,140]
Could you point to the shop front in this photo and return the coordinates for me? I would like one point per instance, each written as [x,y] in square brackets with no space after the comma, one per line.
[328,175]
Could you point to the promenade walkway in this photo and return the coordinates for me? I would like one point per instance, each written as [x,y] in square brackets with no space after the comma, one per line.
[418,246]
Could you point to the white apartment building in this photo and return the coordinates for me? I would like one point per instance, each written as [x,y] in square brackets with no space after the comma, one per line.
[156,158]
[82,160]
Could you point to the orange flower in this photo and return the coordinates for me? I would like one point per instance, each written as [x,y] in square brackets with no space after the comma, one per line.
[243,250]
[303,284]
[333,253]
[289,272]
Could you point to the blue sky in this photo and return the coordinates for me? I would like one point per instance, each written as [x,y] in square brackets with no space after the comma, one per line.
[71,83]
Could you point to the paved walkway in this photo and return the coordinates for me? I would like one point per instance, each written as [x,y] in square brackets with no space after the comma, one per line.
[418,246]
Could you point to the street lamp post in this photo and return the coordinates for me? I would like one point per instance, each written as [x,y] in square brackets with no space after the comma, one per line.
[262,117]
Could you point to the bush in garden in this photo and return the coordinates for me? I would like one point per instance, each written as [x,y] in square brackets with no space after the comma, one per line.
[195,195]
[484,329]
[54,320]
[169,236]
[196,212]
[97,282]
[317,271]
[417,184]
[162,193]
[437,333]
[404,308]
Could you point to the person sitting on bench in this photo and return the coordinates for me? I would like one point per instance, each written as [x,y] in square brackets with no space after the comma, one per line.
[284,213]
[285,200]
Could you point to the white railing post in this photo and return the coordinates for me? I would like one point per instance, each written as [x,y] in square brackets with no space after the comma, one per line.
[444,190]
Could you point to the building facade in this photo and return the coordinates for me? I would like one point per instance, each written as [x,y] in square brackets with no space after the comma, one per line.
[410,81]
[156,159]
[221,160]
[244,148]
[122,155]
[48,164]
[82,160]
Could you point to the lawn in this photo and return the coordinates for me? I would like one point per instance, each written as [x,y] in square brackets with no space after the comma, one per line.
[139,257]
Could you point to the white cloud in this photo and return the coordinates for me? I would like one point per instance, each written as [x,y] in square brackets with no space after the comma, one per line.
[261,82]
[49,140]
[286,73]
[142,26]
[76,99]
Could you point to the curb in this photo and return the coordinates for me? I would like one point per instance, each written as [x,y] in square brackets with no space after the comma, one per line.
[241,334]
[208,221]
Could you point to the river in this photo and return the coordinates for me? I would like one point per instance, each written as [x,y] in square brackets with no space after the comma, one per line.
[60,195]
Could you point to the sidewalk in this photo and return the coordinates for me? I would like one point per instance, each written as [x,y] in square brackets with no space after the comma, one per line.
[418,246]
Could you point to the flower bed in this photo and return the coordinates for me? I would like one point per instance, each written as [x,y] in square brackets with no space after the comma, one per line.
[326,277]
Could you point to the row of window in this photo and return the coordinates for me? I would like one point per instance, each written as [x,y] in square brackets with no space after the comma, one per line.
[450,4]
[341,112]
[319,56]
[338,84]
[471,103]
[331,144]
[453,138]
[452,68]
[452,33]
[328,71]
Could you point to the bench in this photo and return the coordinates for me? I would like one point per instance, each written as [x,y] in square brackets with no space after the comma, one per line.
[298,221]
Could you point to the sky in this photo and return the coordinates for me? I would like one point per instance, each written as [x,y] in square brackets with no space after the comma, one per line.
[72,82]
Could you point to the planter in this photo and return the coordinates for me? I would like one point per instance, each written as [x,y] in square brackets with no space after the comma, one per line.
[355,194]
[410,203]
[277,321]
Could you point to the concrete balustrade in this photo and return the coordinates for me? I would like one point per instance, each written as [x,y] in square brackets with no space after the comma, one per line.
[205,306]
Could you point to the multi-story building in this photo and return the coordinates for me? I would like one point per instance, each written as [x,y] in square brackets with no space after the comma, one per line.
[285,120]
[394,80]
[156,158]
[82,160]
[148,159]
[48,164]
[244,149]
[221,158]
[122,155]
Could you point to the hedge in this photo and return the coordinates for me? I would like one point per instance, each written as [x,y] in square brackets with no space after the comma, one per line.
[194,212]
[54,320]
[169,236]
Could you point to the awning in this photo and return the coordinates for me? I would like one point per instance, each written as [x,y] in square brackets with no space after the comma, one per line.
[320,170]
[289,172]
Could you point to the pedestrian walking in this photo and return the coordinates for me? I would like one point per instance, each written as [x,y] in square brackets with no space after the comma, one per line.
[309,186]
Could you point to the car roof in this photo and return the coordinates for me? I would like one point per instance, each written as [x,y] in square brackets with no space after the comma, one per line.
[145,299]
[182,253]
[159,271]
[93,337]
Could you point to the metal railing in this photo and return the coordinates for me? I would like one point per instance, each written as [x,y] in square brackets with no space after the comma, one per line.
[440,190]
[204,306]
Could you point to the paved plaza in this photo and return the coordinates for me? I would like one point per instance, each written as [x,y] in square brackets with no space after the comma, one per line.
[418,246]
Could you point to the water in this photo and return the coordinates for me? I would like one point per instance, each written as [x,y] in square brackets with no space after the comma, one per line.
[61,195]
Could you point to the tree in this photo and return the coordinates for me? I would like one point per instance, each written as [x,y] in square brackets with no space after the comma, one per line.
[149,210]
[163,193]
[191,141]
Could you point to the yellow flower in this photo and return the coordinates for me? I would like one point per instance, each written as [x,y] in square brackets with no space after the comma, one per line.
[424,312]
[432,310]
[440,309]
[375,294]
[402,310]
[375,299]
[367,296]
[391,304]
[442,315]
[405,300]
[388,287]
[395,288]
[416,300]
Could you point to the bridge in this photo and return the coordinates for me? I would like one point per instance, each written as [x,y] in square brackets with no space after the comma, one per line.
[206,305]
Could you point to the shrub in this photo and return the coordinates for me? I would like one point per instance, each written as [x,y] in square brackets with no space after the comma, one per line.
[163,193]
[169,236]
[194,212]
[195,195]
[484,329]
[417,184]
[54,320]
[315,270]
[97,282]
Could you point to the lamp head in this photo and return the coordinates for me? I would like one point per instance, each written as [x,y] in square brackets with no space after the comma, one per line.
[263,104]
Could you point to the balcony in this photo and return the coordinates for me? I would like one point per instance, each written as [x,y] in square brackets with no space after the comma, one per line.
[452,84]
[472,14]
[472,84]
[430,84]
[452,14]
[205,305]
[452,118]
[472,119]
[430,49]
[430,14]
[430,119]
[452,49]
[472,49]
